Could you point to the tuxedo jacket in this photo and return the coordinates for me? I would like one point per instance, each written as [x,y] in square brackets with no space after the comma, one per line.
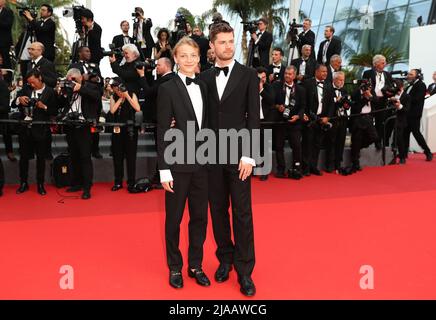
[6,22]
[239,107]
[268,99]
[4,103]
[45,33]
[91,100]
[401,120]
[335,47]
[310,67]
[328,103]
[371,75]
[280,98]
[94,43]
[307,39]
[263,47]
[432,89]
[417,96]
[270,70]
[118,41]
[330,73]
[146,34]
[47,69]
[174,102]
[150,92]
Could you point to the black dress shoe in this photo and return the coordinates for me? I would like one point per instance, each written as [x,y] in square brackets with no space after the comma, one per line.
[222,273]
[247,286]
[316,172]
[393,162]
[429,156]
[23,188]
[176,279]
[295,174]
[74,189]
[86,195]
[199,276]
[402,161]
[355,168]
[133,190]
[41,189]
[117,187]
[97,155]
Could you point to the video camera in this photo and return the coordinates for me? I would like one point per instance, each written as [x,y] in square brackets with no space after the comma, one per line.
[67,87]
[76,12]
[117,52]
[33,11]
[293,31]
[364,84]
[148,64]
[250,26]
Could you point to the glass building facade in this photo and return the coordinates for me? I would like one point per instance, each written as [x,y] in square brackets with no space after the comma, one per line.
[365,25]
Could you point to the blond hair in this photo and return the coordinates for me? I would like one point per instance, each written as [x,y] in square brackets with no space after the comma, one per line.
[188,42]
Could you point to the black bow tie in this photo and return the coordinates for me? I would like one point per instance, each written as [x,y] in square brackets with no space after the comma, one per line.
[225,70]
[33,64]
[319,82]
[289,87]
[191,80]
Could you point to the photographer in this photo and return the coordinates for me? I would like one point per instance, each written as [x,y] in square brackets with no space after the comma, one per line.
[142,33]
[363,132]
[261,44]
[307,37]
[417,91]
[92,35]
[123,106]
[329,47]
[80,101]
[290,103]
[305,65]
[6,22]
[203,43]
[44,29]
[4,110]
[36,102]
[276,70]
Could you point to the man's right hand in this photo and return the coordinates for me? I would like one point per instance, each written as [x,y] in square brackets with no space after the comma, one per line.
[168,186]
[281,108]
[24,100]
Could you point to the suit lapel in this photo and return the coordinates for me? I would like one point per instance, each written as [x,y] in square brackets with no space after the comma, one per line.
[186,99]
[234,78]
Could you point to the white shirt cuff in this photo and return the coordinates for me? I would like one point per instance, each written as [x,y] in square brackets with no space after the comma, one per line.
[401,107]
[165,176]
[248,161]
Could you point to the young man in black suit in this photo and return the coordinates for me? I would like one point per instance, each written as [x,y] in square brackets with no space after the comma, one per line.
[6,22]
[233,104]
[262,41]
[142,34]
[93,33]
[34,139]
[329,47]
[305,65]
[45,29]
[183,99]
[276,70]
[120,40]
[417,91]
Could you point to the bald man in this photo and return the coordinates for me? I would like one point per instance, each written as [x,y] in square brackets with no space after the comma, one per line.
[37,61]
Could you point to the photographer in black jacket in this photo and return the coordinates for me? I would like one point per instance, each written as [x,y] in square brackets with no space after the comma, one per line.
[4,109]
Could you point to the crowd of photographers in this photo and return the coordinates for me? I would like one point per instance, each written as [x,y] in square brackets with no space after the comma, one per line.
[304,102]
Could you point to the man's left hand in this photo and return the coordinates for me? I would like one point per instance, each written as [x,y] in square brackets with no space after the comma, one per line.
[245,170]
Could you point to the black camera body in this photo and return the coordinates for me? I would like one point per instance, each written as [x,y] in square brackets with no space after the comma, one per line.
[76,12]
[344,104]
[117,52]
[288,112]
[149,64]
[67,87]
[33,11]
[250,26]
[293,31]
[31,105]
[390,91]
[364,84]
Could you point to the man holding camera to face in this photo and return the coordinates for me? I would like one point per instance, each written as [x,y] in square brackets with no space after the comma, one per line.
[6,22]
[80,100]
[142,33]
[262,43]
[92,35]
[36,102]
[4,110]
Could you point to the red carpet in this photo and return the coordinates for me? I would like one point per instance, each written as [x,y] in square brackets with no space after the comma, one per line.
[312,237]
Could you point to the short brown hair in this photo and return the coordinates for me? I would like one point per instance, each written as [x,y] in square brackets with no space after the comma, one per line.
[219,28]
[186,41]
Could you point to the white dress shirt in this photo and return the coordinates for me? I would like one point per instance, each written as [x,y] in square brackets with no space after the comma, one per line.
[320,91]
[380,82]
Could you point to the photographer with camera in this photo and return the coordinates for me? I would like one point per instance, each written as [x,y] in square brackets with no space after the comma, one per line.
[91,32]
[363,131]
[307,37]
[123,107]
[4,110]
[261,44]
[142,33]
[380,79]
[80,101]
[329,47]
[44,29]
[36,102]
[417,91]
[276,70]
[290,104]
[6,22]
[320,108]
[305,65]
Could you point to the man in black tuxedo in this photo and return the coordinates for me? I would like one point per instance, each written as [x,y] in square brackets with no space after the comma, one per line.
[81,105]
[4,109]
[46,67]
[379,79]
[203,43]
[305,65]
[417,91]
[319,109]
[127,71]
[142,34]
[6,22]
[37,102]
[44,29]
[276,70]
[120,40]
[335,65]
[233,104]
[290,104]
[307,37]
[92,31]
[432,88]
[329,47]
[261,44]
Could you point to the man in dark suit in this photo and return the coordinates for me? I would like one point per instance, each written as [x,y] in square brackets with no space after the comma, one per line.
[330,46]
[233,104]
[432,88]
[261,44]
[142,34]
[93,33]
[417,91]
[127,71]
[4,109]
[44,29]
[319,109]
[6,22]
[82,105]
[120,40]
[46,67]
[305,65]
[379,79]
[307,37]
[37,102]
[290,104]
[335,65]
[276,70]
[203,43]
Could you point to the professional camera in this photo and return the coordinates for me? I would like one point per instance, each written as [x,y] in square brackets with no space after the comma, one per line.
[180,22]
[33,11]
[116,83]
[250,26]
[76,13]
[67,87]
[92,70]
[149,64]
[117,52]
[293,31]
[364,84]
[288,110]
[343,105]
[390,91]
[28,110]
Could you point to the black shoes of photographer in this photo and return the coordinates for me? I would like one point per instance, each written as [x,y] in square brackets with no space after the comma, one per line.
[315,171]
[116,187]
[200,277]
[428,156]
[86,195]
[247,286]
[222,273]
[41,189]
[176,279]
[295,174]
[24,186]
